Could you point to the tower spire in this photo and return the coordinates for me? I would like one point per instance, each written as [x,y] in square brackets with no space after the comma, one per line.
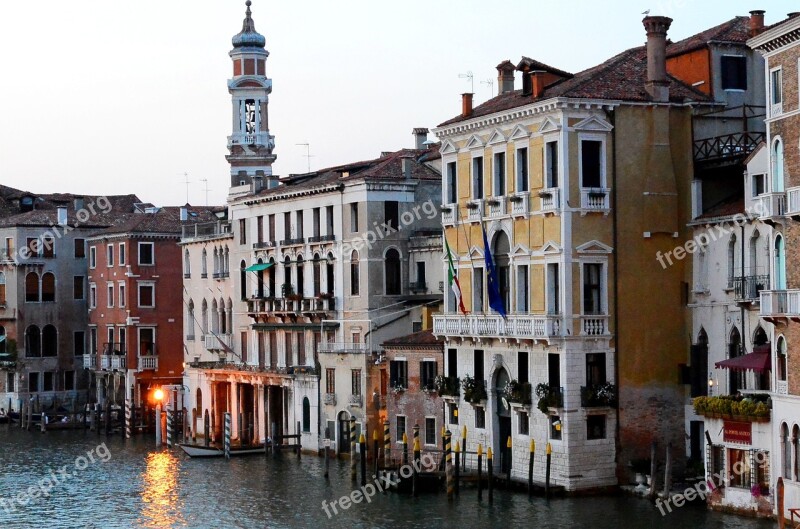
[249,37]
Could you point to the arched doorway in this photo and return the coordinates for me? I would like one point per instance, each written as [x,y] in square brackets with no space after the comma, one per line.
[501,250]
[503,413]
[343,433]
[735,378]
[780,264]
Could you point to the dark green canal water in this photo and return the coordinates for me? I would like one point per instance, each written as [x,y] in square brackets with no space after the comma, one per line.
[133,485]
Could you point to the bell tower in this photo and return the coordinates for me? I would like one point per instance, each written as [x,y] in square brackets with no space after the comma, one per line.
[250,144]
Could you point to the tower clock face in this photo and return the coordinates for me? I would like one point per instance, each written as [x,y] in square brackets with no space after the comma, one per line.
[250,116]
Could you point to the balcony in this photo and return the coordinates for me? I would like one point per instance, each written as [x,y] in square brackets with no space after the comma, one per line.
[418,287]
[594,325]
[90,361]
[263,245]
[6,255]
[297,241]
[746,289]
[780,304]
[595,199]
[260,138]
[551,200]
[329,399]
[356,400]
[317,239]
[206,230]
[793,202]
[148,363]
[520,326]
[771,207]
[475,210]
[496,207]
[113,348]
[449,214]
[221,275]
[218,342]
[290,305]
[342,348]
[727,147]
[520,204]
[599,396]
[113,362]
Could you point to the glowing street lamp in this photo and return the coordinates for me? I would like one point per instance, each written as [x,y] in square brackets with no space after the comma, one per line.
[159,395]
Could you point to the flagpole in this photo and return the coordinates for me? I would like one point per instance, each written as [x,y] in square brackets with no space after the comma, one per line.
[468,240]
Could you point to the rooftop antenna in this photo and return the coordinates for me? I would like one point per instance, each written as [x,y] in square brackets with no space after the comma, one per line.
[308,154]
[205,181]
[490,83]
[186,181]
[469,75]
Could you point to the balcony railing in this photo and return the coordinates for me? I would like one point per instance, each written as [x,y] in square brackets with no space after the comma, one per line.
[263,244]
[321,238]
[221,275]
[449,214]
[780,303]
[594,325]
[220,342]
[90,361]
[495,207]
[293,242]
[771,205]
[113,348]
[287,305]
[148,363]
[342,348]
[728,146]
[261,138]
[599,396]
[418,287]
[595,199]
[113,362]
[551,199]
[793,201]
[520,204]
[206,230]
[514,326]
[475,210]
[748,288]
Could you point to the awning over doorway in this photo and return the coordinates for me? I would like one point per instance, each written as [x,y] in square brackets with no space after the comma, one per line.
[758,361]
[258,267]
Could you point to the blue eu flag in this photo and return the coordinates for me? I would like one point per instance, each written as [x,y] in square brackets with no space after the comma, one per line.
[492,283]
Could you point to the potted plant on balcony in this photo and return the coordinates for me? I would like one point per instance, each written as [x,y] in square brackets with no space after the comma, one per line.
[474,390]
[325,295]
[473,204]
[596,192]
[515,198]
[546,193]
[447,386]
[549,397]
[446,208]
[518,392]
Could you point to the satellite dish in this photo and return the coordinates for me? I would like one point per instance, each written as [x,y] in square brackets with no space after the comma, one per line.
[505,403]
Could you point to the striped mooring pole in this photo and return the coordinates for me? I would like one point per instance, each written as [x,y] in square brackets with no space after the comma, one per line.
[227,436]
[127,419]
[170,427]
[387,443]
[448,458]
[158,424]
[353,473]
[362,446]
[548,455]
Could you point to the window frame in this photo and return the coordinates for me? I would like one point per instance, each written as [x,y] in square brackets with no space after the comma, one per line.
[602,287]
[397,431]
[601,139]
[145,284]
[742,59]
[93,257]
[522,169]
[477,182]
[152,253]
[109,255]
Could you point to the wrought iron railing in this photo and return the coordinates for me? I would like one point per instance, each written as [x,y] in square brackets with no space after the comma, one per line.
[728,146]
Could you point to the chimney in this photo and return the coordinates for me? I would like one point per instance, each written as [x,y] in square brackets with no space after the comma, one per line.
[420,138]
[657,83]
[466,105]
[184,214]
[405,161]
[505,77]
[756,22]
[537,83]
[62,215]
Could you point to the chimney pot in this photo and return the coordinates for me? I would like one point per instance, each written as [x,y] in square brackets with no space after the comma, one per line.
[505,77]
[405,161]
[420,138]
[756,22]
[537,83]
[466,105]
[657,83]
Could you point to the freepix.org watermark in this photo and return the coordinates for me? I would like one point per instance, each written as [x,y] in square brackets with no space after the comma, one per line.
[701,240]
[379,484]
[44,486]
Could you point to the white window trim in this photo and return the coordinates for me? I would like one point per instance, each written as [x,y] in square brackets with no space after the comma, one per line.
[139,286]
[747,71]
[516,287]
[123,254]
[110,298]
[120,288]
[139,252]
[477,154]
[93,257]
[500,149]
[775,109]
[481,271]
[446,161]
[519,145]
[602,138]
[424,433]
[92,296]
[552,137]
[603,285]
[549,261]
[109,255]
[139,339]
[399,435]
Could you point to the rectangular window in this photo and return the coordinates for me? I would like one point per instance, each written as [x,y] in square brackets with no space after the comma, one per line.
[451,192]
[47,381]
[398,374]
[147,296]
[33,246]
[452,413]
[33,382]
[110,255]
[122,298]
[477,366]
[523,290]
[356,382]
[242,231]
[69,380]
[522,170]
[9,248]
[260,229]
[739,468]
[11,385]
[330,380]
[122,257]
[316,222]
[553,294]
[299,224]
[776,86]
[554,370]
[477,177]
[761,470]
[79,343]
[80,248]
[734,72]
[271,227]
[524,423]
[759,184]
[522,367]
[595,369]
[592,289]
[555,427]
[499,174]
[427,374]
[391,213]
[92,296]
[354,217]
[430,430]
[477,290]
[551,164]
[480,417]
[591,163]
[147,254]
[329,221]
[452,362]
[595,427]
[400,428]
[110,295]
[48,247]
[77,287]
[93,257]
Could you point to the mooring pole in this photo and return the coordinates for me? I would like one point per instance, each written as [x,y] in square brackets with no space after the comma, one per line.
[362,446]
[548,452]
[158,424]
[480,462]
[387,444]
[464,448]
[780,492]
[457,467]
[127,419]
[375,448]
[207,428]
[490,472]
[448,458]
[405,448]
[227,436]
[353,476]
[325,448]
[532,451]
[414,467]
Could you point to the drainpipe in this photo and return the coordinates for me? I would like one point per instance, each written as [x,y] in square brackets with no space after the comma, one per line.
[611,115]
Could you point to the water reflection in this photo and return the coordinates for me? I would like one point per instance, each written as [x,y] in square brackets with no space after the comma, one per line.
[161,503]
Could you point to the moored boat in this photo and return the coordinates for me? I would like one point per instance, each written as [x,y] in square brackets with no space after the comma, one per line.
[193,450]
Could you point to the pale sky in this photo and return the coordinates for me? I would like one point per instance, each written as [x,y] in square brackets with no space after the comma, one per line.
[103,97]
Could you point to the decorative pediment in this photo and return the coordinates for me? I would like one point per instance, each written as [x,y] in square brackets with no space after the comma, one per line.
[475,253]
[496,137]
[520,251]
[594,247]
[448,147]
[475,142]
[549,125]
[550,248]
[593,124]
[519,133]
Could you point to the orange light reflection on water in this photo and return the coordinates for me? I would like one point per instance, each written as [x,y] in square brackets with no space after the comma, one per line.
[160,499]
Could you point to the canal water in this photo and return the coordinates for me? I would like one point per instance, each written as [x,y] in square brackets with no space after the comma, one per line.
[133,485]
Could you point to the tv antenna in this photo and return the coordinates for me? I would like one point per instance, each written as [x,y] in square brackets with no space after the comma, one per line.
[471,76]
[308,154]
[186,181]
[490,83]
[205,181]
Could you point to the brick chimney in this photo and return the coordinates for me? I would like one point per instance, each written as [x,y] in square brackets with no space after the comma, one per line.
[537,83]
[657,84]
[756,22]
[505,77]
[466,105]
[420,137]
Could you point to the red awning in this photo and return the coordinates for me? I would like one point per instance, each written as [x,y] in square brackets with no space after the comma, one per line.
[758,361]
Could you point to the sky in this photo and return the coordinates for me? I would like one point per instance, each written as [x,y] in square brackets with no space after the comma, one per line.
[128,97]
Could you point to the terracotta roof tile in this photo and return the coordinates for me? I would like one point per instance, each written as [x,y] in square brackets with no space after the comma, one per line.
[735,30]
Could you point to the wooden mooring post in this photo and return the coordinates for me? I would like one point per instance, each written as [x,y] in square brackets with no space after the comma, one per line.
[532,452]
[549,456]
[490,472]
[325,447]
[362,447]
[480,462]
[457,467]
[353,476]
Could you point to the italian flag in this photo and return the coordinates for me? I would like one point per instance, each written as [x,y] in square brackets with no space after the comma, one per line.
[452,279]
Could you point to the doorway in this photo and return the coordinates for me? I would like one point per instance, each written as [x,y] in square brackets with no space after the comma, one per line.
[343,433]
[503,419]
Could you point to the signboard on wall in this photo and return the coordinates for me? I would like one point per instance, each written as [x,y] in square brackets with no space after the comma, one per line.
[737,432]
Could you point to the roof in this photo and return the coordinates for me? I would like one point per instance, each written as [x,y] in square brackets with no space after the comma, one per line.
[83,211]
[421,338]
[164,220]
[620,78]
[727,208]
[734,31]
[528,64]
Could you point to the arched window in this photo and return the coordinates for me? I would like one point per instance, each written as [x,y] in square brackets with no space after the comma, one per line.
[501,249]
[317,270]
[3,340]
[229,315]
[33,342]
[214,317]
[780,264]
[796,459]
[731,260]
[392,272]
[300,290]
[49,341]
[777,166]
[190,321]
[754,261]
[198,401]
[2,289]
[270,278]
[287,288]
[48,287]
[216,263]
[306,415]
[187,264]
[204,264]
[354,274]
[735,381]
[243,279]
[702,270]
[780,352]
[226,262]
[32,287]
[760,336]
[329,274]
[223,318]
[204,317]
[786,446]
